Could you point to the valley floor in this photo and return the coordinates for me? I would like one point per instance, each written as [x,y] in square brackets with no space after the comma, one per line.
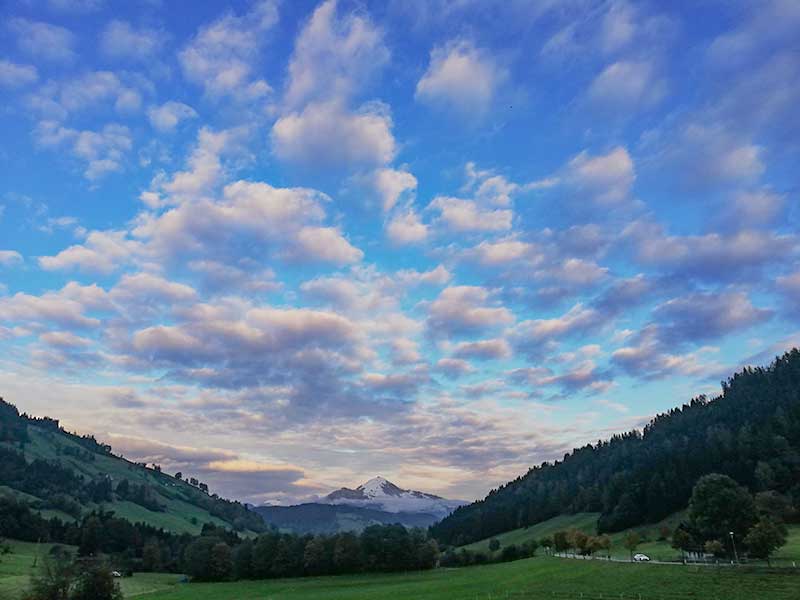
[536,578]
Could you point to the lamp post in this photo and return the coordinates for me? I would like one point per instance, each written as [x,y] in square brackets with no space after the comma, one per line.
[733,543]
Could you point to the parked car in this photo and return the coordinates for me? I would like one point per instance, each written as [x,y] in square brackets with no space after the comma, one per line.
[116,574]
[641,557]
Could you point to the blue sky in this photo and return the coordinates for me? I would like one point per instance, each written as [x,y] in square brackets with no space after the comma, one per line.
[287,246]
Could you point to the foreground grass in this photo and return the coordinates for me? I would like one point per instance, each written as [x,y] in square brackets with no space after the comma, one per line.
[540,577]
[532,578]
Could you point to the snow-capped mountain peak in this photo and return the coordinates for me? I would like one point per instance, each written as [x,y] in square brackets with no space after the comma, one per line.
[381,493]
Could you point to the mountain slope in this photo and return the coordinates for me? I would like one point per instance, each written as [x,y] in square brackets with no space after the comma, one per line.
[64,475]
[383,495]
[751,433]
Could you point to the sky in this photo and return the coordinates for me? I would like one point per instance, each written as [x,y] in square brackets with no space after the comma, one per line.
[287,246]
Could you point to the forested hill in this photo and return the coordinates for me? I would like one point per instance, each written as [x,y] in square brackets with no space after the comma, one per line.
[63,475]
[750,432]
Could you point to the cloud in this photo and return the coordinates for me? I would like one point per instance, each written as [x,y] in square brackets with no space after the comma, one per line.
[391,184]
[648,358]
[462,79]
[705,316]
[64,339]
[504,251]
[14,75]
[223,55]
[43,40]
[9,257]
[710,153]
[712,256]
[327,244]
[606,179]
[789,286]
[57,100]
[532,336]
[327,135]
[246,479]
[405,352]
[466,215]
[465,309]
[103,151]
[249,219]
[333,57]
[752,208]
[139,290]
[626,85]
[65,308]
[120,40]
[102,252]
[495,349]
[454,367]
[406,228]
[167,116]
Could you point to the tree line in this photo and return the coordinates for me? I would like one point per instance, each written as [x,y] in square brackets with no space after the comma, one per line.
[220,554]
[750,433]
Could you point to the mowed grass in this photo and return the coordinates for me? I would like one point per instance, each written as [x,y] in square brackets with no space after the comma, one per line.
[531,578]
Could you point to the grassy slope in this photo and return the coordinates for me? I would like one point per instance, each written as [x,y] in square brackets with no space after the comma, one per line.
[655,549]
[584,521]
[176,495]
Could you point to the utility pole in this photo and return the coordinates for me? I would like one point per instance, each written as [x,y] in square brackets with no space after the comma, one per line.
[733,543]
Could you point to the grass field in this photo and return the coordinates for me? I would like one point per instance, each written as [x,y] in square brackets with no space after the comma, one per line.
[537,578]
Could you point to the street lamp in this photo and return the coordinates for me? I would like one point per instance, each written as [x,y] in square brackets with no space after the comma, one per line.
[733,543]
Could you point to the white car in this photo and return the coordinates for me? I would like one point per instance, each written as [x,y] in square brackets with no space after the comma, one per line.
[641,558]
[116,574]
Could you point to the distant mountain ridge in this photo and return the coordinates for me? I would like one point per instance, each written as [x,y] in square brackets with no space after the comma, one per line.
[384,495]
[375,502]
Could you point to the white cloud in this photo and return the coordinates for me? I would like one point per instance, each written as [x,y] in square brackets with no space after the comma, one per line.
[627,85]
[466,215]
[328,135]
[13,75]
[120,40]
[327,244]
[406,228]
[464,309]
[9,257]
[43,40]
[222,56]
[504,251]
[103,151]
[333,57]
[102,252]
[607,178]
[461,78]
[391,184]
[85,91]
[483,350]
[167,116]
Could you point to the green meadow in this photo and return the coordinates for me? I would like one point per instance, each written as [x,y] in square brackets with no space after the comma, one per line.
[541,577]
